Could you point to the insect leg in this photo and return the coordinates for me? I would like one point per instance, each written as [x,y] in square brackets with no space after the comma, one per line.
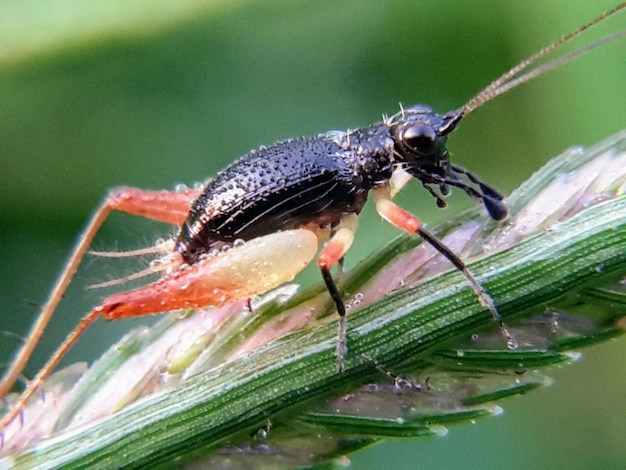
[164,206]
[234,275]
[331,254]
[171,207]
[406,221]
[237,274]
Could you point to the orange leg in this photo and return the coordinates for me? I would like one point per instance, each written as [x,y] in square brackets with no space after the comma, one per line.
[393,213]
[234,275]
[164,206]
[331,254]
[402,219]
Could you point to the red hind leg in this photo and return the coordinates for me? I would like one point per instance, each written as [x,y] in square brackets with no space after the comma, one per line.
[234,275]
[237,274]
[164,206]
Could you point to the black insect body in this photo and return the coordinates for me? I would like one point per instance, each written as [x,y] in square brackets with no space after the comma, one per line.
[282,199]
[281,187]
[318,180]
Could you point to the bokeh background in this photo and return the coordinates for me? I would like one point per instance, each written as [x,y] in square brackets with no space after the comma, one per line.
[151,94]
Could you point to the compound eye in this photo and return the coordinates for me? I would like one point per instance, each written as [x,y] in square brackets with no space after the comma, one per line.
[420,138]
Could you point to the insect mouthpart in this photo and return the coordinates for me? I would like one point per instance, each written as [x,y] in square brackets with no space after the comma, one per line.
[420,136]
[491,198]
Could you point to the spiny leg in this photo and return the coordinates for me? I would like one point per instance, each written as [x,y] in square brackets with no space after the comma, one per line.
[234,275]
[331,254]
[43,374]
[164,206]
[406,221]
[484,298]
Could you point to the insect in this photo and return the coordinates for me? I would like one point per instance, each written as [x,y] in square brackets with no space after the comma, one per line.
[287,197]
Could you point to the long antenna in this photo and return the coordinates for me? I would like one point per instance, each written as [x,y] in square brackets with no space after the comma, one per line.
[512,78]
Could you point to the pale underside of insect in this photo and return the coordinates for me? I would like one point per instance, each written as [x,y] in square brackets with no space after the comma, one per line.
[260,221]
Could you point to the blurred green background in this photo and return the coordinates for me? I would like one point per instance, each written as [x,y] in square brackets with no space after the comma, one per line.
[155,93]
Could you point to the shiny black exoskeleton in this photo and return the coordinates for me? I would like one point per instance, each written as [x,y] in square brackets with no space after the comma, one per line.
[320,179]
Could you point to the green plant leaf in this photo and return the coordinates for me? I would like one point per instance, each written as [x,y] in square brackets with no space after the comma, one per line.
[423,354]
